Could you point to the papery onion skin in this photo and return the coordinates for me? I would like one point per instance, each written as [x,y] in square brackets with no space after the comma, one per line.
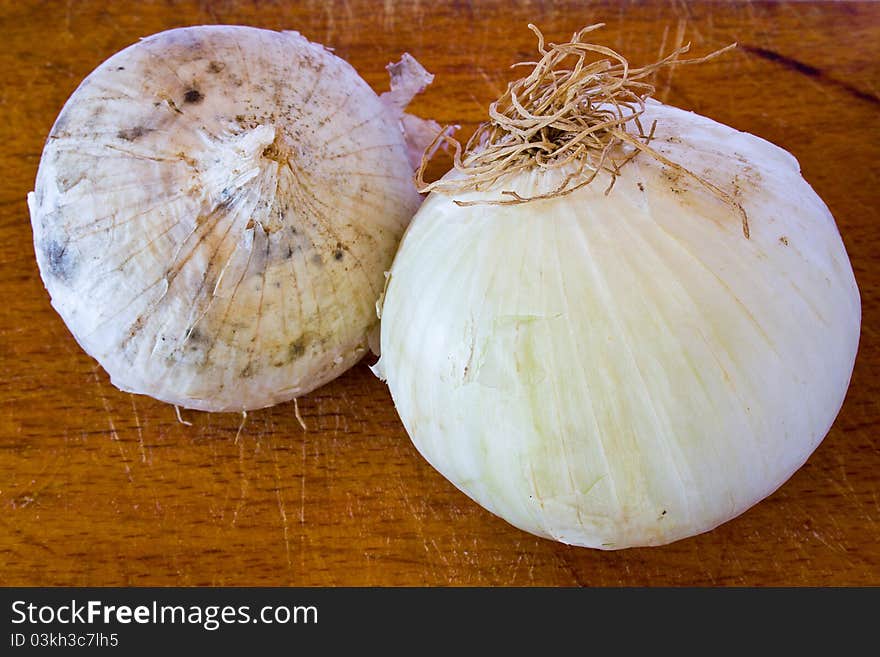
[214,212]
[626,369]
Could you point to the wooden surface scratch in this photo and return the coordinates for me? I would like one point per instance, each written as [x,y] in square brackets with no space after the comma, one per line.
[100,487]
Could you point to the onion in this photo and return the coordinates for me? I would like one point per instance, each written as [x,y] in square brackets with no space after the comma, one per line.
[215,208]
[623,344]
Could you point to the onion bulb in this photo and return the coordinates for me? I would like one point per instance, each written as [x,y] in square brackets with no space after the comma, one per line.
[617,323]
[215,208]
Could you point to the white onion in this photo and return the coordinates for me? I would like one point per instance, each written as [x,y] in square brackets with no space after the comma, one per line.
[624,369]
[214,211]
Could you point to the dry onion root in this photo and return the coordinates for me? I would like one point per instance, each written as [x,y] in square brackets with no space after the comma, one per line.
[215,208]
[626,366]
[565,112]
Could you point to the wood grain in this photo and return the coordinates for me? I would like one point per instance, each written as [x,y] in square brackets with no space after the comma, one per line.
[98,487]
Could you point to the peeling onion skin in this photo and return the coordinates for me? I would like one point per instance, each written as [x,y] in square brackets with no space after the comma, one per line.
[625,370]
[214,212]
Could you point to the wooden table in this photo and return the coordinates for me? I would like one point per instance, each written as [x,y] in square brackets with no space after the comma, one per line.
[99,487]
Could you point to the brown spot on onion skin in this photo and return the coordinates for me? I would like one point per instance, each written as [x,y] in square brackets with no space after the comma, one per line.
[195,335]
[60,260]
[130,134]
[67,182]
[296,348]
[193,97]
